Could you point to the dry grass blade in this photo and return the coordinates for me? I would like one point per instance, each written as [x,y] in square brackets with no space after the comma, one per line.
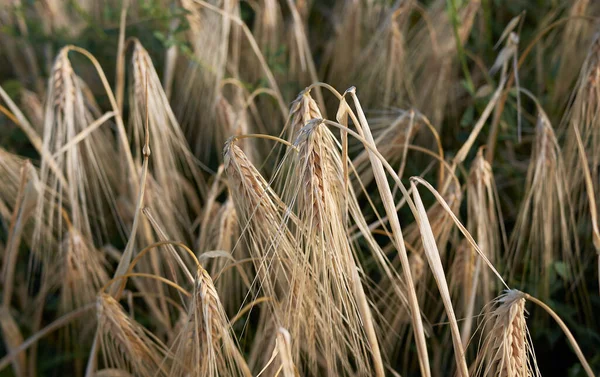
[460,226]
[388,202]
[435,263]
[441,224]
[284,346]
[12,338]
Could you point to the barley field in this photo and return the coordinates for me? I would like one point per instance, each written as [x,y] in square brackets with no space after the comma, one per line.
[299,188]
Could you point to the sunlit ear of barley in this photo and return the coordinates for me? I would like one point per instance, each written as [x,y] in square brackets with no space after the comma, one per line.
[327,276]
[83,181]
[303,110]
[263,224]
[205,346]
[506,349]
[328,258]
[262,219]
[544,230]
[125,344]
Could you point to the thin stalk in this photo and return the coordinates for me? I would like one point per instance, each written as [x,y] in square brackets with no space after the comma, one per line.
[568,334]
[589,186]
[120,74]
[459,46]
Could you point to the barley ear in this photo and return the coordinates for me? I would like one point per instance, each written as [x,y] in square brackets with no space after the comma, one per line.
[507,349]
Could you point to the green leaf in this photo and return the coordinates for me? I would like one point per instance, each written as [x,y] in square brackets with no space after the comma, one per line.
[467,118]
[561,270]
